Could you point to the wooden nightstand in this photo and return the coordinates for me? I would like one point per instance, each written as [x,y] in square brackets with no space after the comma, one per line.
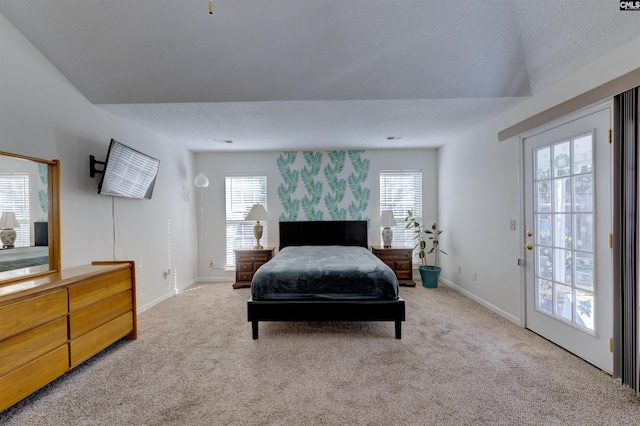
[400,259]
[247,263]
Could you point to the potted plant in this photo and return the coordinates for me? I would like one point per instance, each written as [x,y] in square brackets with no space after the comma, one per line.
[428,273]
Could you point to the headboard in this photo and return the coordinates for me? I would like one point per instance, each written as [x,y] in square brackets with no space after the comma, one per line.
[324,233]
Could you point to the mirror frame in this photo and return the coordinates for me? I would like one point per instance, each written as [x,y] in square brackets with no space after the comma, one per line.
[53,186]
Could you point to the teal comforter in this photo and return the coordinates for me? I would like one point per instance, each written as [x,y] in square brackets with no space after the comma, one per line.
[324,272]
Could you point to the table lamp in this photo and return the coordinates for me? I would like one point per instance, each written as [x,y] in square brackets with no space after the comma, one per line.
[257,213]
[387,220]
[8,221]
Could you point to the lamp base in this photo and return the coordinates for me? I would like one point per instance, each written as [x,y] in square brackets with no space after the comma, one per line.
[8,237]
[257,233]
[387,237]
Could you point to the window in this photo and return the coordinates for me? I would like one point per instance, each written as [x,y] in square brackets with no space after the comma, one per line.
[401,191]
[241,193]
[14,197]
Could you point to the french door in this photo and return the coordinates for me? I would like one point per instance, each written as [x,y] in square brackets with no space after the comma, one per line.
[567,208]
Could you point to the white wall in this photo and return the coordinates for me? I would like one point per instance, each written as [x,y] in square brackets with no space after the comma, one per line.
[217,166]
[480,192]
[43,115]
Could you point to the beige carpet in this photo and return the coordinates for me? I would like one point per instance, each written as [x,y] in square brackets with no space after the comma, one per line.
[457,364]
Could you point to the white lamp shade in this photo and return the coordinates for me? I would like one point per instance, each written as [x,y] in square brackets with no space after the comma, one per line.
[8,220]
[257,212]
[387,220]
[201,181]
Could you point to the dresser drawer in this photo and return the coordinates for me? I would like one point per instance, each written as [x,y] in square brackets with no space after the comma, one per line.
[403,264]
[94,290]
[244,276]
[21,316]
[244,267]
[32,376]
[399,256]
[80,322]
[258,257]
[25,347]
[96,340]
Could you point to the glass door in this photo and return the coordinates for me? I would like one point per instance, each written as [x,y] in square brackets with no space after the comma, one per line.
[567,226]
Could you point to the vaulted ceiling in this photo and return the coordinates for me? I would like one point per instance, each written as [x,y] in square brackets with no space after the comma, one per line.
[317,74]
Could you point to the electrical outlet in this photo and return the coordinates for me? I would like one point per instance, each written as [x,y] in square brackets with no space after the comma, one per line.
[459,269]
[513,224]
[473,276]
[210,265]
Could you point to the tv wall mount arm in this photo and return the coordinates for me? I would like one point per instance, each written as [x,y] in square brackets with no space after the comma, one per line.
[92,166]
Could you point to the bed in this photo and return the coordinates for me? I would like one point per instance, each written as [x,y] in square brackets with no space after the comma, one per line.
[23,257]
[325,272]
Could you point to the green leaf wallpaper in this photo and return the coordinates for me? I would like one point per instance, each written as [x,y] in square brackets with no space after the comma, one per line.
[288,186]
[43,199]
[332,187]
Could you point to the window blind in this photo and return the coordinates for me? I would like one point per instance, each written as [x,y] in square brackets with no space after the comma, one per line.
[14,197]
[626,328]
[241,193]
[401,191]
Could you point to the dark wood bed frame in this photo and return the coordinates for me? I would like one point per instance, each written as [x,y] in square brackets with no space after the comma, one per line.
[349,233]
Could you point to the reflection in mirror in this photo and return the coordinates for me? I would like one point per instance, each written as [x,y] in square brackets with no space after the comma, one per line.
[25,215]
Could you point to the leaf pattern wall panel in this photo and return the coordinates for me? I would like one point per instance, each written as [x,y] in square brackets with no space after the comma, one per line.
[288,186]
[309,173]
[336,185]
[43,197]
[331,185]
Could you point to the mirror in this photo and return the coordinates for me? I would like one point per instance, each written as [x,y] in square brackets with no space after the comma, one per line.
[29,217]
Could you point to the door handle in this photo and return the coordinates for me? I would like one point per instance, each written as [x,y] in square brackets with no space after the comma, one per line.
[528,246]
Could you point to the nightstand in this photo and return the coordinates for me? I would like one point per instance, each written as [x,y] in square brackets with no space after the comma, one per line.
[247,263]
[400,259]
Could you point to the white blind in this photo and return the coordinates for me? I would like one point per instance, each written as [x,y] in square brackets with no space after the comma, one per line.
[401,191]
[241,193]
[14,197]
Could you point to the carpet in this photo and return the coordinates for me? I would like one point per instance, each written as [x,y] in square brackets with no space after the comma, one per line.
[457,363]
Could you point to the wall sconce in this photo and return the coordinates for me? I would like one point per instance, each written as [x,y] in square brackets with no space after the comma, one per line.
[387,220]
[8,221]
[257,213]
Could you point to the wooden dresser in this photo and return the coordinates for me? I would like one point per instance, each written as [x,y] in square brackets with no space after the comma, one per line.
[400,260]
[50,325]
[247,263]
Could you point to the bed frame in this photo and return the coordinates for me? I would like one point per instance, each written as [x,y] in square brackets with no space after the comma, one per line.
[349,233]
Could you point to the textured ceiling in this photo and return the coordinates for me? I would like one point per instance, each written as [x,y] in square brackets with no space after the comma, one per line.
[317,74]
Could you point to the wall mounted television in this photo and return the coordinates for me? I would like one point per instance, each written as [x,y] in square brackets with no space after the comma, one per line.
[128,172]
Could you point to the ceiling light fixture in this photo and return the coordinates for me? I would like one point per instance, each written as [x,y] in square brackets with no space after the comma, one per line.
[394,138]
[210,7]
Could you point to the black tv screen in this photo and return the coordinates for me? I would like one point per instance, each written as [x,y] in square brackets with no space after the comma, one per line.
[128,173]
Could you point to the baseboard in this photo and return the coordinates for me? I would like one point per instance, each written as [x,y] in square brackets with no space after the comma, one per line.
[483,302]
